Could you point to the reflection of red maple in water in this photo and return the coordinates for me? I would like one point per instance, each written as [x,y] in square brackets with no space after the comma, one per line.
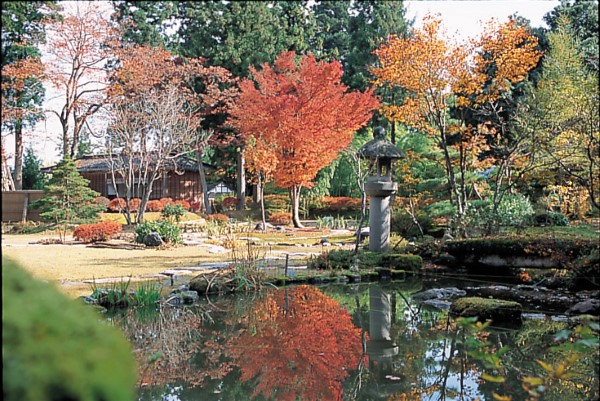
[300,345]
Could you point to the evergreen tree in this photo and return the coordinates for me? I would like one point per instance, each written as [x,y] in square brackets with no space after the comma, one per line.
[33,178]
[67,198]
[331,40]
[583,15]
[146,22]
[372,22]
[22,32]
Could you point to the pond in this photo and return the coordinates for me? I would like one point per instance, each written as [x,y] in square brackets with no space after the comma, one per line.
[365,341]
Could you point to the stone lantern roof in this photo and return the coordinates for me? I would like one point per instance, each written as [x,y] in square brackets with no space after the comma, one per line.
[379,148]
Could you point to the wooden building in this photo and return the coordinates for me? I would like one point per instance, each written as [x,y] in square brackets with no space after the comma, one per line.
[183,184]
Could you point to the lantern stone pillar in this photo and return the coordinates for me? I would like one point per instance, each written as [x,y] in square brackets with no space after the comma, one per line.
[379,187]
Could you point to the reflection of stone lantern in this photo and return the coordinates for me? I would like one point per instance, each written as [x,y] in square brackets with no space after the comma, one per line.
[379,186]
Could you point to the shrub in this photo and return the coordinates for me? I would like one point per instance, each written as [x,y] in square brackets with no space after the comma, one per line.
[117,204]
[558,219]
[102,201]
[183,203]
[277,202]
[337,205]
[166,201]
[102,231]
[169,232]
[173,211]
[218,218]
[514,210]
[280,219]
[154,206]
[58,349]
[194,205]
[134,204]
[230,203]
[403,224]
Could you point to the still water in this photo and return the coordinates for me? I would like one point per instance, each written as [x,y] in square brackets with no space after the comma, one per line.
[349,342]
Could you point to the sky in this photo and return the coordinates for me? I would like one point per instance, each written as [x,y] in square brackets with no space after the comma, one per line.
[462,19]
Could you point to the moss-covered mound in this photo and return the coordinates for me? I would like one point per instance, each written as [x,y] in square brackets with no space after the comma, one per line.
[339,259]
[564,251]
[497,310]
[54,348]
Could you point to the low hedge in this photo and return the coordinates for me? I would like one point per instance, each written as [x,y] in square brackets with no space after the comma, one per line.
[54,348]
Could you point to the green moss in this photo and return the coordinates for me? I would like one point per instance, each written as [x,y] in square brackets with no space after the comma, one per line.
[399,261]
[54,348]
[497,310]
[564,250]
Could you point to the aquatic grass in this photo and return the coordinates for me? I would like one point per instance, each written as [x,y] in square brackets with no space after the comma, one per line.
[116,296]
[147,294]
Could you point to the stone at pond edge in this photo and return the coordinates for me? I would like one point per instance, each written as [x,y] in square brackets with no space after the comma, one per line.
[499,311]
[587,307]
[208,284]
[153,239]
[438,293]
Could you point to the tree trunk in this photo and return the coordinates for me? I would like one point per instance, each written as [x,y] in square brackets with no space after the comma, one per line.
[260,188]
[241,181]
[18,176]
[203,184]
[295,200]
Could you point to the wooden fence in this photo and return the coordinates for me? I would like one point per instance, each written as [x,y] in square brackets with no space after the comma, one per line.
[15,205]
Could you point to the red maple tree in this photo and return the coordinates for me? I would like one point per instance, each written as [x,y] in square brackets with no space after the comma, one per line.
[305,112]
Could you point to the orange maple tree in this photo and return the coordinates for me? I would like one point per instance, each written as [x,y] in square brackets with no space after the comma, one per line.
[444,81]
[302,345]
[304,111]
[78,48]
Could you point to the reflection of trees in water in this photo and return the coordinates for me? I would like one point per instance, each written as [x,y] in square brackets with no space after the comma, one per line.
[302,344]
[295,343]
[438,360]
[163,342]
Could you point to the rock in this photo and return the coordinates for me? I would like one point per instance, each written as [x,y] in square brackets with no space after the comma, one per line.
[447,237]
[153,239]
[587,307]
[438,293]
[188,297]
[445,260]
[501,312]
[260,227]
[364,233]
[89,300]
[438,304]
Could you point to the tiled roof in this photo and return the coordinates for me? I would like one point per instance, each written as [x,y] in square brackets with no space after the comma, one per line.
[100,163]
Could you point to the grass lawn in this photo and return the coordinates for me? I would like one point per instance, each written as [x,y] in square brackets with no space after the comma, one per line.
[69,265]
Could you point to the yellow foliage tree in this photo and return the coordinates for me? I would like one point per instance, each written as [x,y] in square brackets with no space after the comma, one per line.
[446,81]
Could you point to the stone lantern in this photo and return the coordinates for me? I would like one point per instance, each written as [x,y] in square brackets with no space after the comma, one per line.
[379,187]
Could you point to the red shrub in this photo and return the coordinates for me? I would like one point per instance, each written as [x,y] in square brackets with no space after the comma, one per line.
[339,204]
[218,217]
[117,204]
[194,205]
[185,204]
[230,203]
[154,206]
[166,201]
[101,200]
[102,231]
[134,204]
[280,219]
